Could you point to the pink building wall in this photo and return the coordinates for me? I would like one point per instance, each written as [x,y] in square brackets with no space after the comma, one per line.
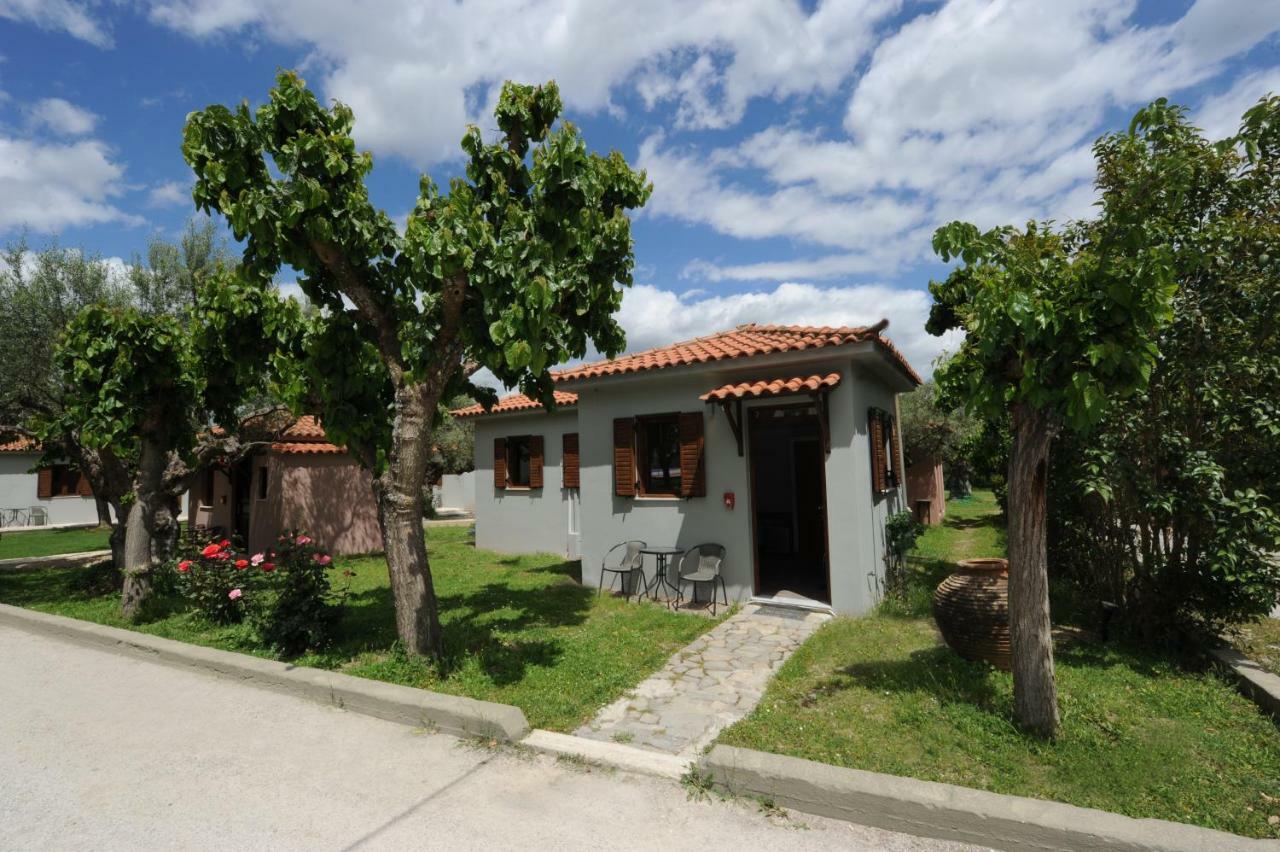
[329,496]
[924,482]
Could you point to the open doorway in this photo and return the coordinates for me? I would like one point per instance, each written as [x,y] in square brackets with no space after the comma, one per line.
[788,499]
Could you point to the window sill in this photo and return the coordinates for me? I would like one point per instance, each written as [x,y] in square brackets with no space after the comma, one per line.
[521,488]
[659,498]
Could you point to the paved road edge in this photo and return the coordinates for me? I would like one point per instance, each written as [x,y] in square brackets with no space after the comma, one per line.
[1256,683]
[406,705]
[948,812]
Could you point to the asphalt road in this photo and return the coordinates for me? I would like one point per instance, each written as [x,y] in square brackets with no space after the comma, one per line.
[100,751]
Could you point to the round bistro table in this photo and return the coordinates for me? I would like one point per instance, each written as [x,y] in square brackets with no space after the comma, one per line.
[661,554]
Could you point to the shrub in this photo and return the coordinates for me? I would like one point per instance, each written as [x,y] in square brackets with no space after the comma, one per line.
[901,531]
[215,581]
[293,607]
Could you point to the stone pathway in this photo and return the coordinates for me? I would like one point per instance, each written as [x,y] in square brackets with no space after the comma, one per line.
[707,685]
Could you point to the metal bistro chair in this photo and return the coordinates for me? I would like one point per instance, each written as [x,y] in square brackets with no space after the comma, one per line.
[710,560]
[630,561]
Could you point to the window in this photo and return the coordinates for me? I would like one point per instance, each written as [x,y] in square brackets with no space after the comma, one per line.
[885,451]
[658,455]
[64,482]
[262,482]
[518,462]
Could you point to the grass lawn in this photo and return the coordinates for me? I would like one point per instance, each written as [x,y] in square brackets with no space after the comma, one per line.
[50,542]
[518,629]
[1141,736]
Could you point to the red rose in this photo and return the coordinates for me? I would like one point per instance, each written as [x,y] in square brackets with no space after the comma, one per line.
[184,566]
[242,564]
[224,543]
[268,566]
[210,549]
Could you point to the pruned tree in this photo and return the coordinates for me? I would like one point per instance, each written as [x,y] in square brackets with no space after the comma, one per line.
[514,269]
[1057,325]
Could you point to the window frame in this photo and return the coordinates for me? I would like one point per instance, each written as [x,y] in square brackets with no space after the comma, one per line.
[641,455]
[60,475]
[512,443]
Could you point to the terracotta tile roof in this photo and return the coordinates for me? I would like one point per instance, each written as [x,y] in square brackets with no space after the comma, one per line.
[744,341]
[305,435]
[772,388]
[19,444]
[515,402]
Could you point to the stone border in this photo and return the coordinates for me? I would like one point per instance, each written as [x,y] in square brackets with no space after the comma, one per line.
[1258,685]
[403,704]
[53,560]
[610,754]
[949,812]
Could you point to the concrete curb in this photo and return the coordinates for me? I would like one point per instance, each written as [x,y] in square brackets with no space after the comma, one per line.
[56,560]
[408,706]
[1257,684]
[614,755]
[948,812]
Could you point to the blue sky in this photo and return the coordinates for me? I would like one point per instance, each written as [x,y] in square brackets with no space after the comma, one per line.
[802,152]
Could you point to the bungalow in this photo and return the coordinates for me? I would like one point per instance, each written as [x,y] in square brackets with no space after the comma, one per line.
[300,481]
[778,442]
[53,495]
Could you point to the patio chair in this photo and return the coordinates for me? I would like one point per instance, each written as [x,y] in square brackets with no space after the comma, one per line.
[702,564]
[629,561]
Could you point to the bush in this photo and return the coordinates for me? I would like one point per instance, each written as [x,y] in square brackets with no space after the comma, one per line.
[215,580]
[901,531]
[295,609]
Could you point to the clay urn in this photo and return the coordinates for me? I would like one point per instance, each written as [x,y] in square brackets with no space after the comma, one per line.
[971,608]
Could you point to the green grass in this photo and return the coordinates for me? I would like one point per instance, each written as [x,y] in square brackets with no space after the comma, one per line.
[1141,735]
[517,629]
[51,542]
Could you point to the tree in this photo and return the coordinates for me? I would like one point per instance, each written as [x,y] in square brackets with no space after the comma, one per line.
[1169,508]
[1057,324]
[513,269]
[937,429]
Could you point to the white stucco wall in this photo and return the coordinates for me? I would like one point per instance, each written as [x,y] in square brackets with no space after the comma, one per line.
[525,520]
[18,491]
[458,490]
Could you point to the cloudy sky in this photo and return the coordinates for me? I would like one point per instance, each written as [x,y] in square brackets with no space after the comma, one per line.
[801,152]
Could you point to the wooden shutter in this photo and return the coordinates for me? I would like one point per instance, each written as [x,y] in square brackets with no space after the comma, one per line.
[624,457]
[44,483]
[875,428]
[569,460]
[535,461]
[82,487]
[895,446]
[499,462]
[693,455]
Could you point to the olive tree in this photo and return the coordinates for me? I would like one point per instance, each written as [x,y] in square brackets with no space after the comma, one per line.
[1058,323]
[513,269]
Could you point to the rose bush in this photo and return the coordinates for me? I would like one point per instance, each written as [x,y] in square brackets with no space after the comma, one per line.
[284,592]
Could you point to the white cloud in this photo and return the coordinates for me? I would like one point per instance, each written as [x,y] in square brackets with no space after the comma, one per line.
[58,16]
[434,68]
[652,316]
[62,117]
[169,194]
[1219,115]
[47,187]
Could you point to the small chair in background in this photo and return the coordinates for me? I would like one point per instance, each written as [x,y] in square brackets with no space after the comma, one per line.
[702,564]
[630,561]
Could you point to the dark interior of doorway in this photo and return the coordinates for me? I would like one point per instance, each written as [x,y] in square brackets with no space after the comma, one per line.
[789,501]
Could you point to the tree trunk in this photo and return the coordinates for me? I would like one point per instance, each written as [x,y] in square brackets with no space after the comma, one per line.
[104,511]
[398,492]
[139,526]
[1035,696]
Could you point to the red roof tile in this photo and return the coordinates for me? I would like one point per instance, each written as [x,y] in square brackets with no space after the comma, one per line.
[515,402]
[744,341]
[305,435]
[305,428]
[776,387]
[20,444]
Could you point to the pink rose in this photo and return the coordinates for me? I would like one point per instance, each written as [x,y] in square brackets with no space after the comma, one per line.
[235,594]
[323,558]
[302,539]
[257,559]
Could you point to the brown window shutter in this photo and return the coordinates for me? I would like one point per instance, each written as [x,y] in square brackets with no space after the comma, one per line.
[82,487]
[624,457]
[499,462]
[44,483]
[693,455]
[875,427]
[535,461]
[569,462]
[895,445]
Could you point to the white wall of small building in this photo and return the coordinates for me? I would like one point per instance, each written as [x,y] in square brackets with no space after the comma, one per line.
[18,482]
[525,520]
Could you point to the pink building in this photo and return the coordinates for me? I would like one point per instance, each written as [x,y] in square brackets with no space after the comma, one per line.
[300,482]
[926,492]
